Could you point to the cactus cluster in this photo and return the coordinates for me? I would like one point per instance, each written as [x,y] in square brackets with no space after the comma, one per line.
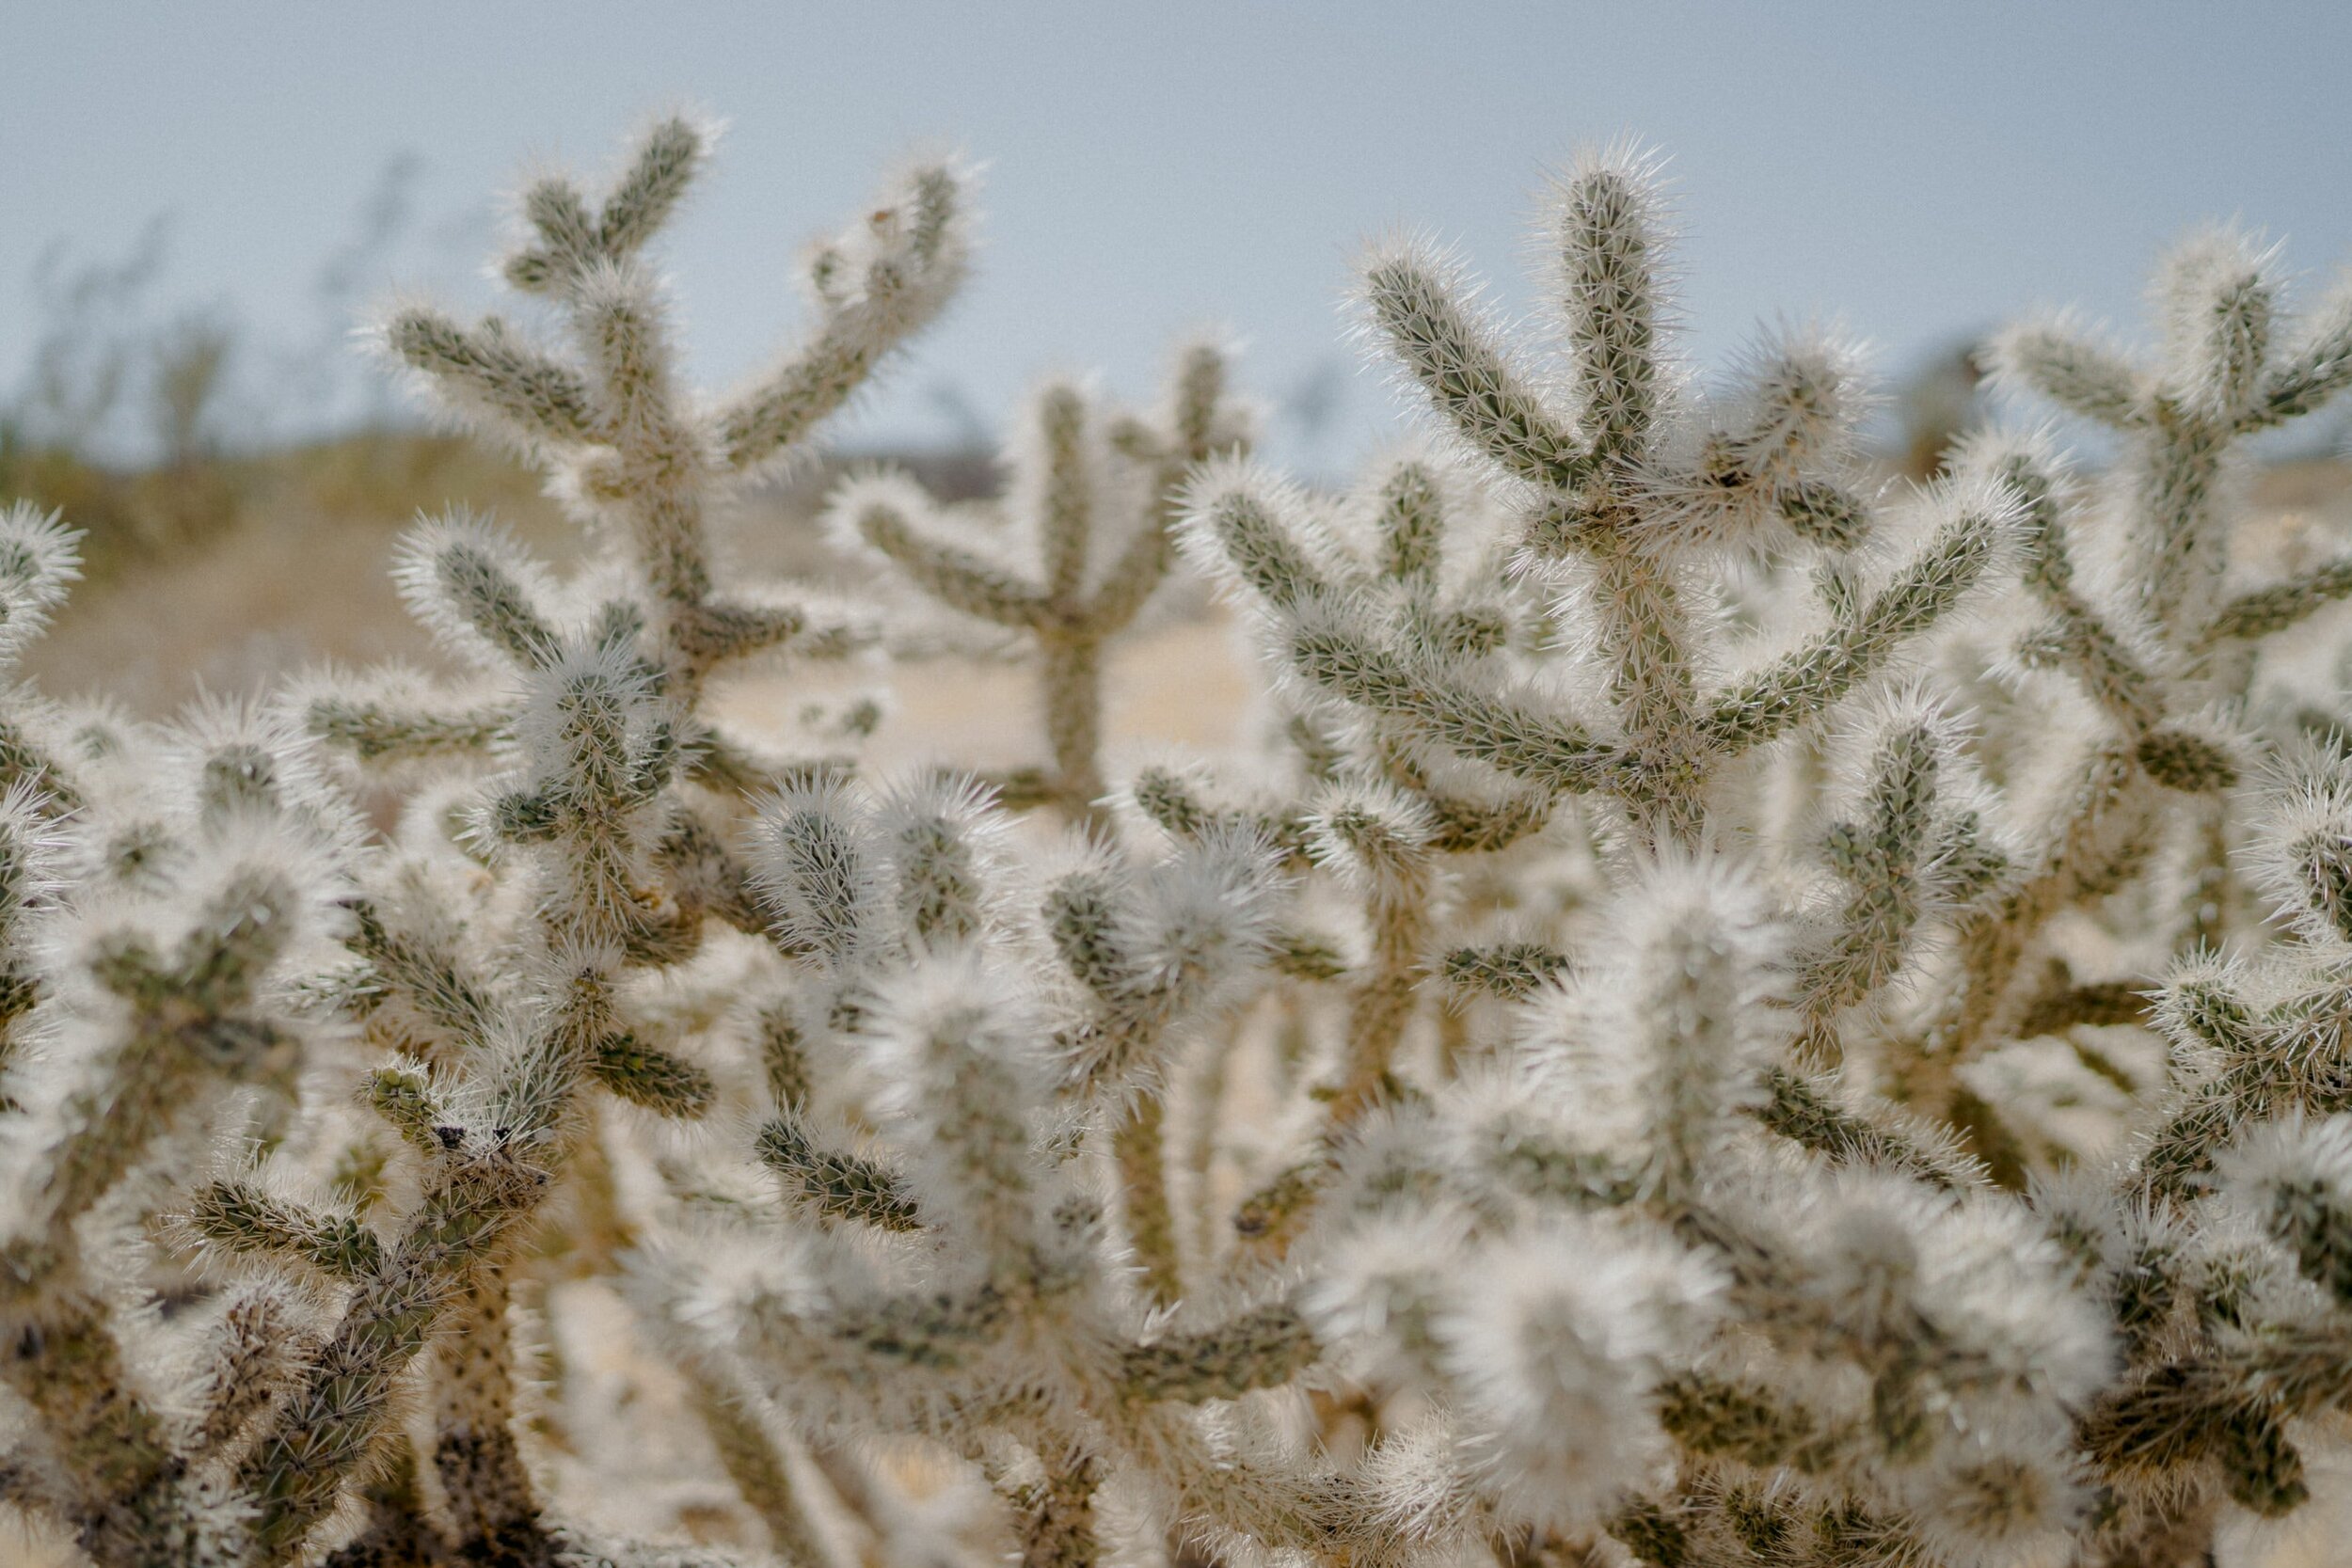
[1738,1013]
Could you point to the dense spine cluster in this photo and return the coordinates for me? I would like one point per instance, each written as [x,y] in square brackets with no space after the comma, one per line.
[1604,1081]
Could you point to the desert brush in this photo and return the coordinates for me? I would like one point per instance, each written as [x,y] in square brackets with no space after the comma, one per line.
[1602,1078]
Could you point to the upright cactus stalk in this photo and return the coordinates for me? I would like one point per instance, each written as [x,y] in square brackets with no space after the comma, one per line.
[628,452]
[1095,490]
[2165,643]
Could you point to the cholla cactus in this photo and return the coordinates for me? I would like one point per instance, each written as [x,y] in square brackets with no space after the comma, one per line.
[1584,1095]
[962,1281]
[484,1013]
[1435,685]
[1096,498]
[633,454]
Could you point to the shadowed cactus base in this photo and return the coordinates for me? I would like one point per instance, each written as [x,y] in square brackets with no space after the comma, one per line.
[1733,1015]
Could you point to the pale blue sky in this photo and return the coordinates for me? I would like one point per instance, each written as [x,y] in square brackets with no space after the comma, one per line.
[1913,170]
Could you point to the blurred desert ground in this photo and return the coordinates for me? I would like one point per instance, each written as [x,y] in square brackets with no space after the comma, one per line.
[301,578]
